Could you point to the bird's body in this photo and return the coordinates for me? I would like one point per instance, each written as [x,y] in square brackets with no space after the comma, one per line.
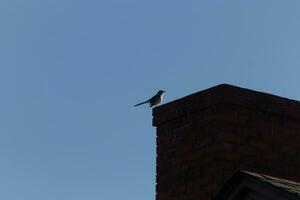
[155,100]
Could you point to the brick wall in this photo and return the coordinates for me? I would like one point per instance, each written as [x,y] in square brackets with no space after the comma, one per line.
[202,139]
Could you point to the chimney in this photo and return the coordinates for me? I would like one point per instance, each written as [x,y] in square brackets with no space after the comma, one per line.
[202,139]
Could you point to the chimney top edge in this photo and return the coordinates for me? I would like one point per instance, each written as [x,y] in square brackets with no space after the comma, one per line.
[229,94]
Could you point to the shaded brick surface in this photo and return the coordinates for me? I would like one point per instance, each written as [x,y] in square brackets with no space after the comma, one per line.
[202,139]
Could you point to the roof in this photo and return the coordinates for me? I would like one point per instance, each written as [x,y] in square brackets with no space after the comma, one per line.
[226,94]
[259,183]
[289,186]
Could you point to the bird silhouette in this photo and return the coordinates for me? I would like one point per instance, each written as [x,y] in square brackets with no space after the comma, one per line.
[155,100]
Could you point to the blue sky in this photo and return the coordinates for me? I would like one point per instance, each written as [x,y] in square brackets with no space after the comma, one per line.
[71,71]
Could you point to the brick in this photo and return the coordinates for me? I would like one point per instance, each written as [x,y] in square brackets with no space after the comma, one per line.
[270,156]
[164,195]
[228,146]
[234,138]
[231,156]
[257,143]
[248,150]
[202,139]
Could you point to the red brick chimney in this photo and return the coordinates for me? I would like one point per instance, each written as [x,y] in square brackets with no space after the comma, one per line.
[202,139]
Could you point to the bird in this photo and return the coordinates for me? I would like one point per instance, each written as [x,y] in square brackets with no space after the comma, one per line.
[155,100]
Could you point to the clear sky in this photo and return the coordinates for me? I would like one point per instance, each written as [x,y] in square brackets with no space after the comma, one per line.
[71,71]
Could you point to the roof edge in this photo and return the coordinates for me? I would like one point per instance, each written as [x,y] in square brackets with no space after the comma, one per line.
[231,185]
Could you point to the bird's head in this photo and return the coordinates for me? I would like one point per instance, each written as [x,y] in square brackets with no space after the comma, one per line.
[160,92]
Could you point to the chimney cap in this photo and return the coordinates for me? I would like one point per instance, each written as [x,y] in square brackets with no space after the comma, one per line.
[226,94]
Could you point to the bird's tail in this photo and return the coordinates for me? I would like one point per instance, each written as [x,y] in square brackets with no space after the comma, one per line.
[141,103]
